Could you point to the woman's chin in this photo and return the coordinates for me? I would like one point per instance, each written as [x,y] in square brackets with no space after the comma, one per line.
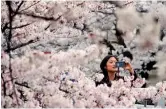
[115,69]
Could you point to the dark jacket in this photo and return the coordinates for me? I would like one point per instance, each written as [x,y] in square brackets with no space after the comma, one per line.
[106,80]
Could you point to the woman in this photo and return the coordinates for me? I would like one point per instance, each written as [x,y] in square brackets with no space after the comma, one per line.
[109,69]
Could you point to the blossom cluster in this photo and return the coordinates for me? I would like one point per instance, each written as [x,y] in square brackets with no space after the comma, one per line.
[54,82]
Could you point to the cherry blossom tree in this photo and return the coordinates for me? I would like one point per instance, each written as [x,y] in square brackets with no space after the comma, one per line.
[51,51]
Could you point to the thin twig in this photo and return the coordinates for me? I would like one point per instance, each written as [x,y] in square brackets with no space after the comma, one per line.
[4,84]
[29,6]
[39,17]
[80,3]
[128,3]
[20,26]
[22,84]
[62,89]
[106,13]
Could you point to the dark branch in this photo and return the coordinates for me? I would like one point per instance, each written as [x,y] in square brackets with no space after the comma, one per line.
[29,6]
[20,26]
[22,96]
[120,4]
[115,42]
[8,40]
[39,17]
[63,90]
[47,27]
[106,13]
[19,6]
[128,3]
[119,37]
[80,4]
[24,84]
[21,45]
[4,27]
[108,44]
[8,3]
[85,28]
[162,35]
[3,84]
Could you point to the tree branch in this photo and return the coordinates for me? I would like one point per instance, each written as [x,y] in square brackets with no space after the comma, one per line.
[3,84]
[20,26]
[22,96]
[62,89]
[19,6]
[8,3]
[106,13]
[85,28]
[3,28]
[80,4]
[24,84]
[29,6]
[39,17]
[108,44]
[21,45]
[119,36]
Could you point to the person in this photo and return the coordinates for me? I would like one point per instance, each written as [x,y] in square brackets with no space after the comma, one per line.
[110,71]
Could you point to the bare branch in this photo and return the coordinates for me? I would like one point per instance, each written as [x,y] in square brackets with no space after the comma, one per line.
[22,96]
[39,17]
[120,38]
[3,84]
[106,13]
[29,6]
[20,26]
[120,4]
[63,90]
[21,45]
[85,27]
[3,28]
[128,3]
[19,6]
[80,4]
[8,40]
[47,27]
[24,84]
[108,44]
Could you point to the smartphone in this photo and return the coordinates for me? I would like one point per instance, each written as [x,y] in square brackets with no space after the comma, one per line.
[120,64]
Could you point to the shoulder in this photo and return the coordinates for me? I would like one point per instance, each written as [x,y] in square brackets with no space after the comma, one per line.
[100,82]
[103,81]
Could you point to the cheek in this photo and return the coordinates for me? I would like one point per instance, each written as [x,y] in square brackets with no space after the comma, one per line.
[109,66]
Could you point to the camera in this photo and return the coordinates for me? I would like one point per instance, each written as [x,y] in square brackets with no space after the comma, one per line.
[120,64]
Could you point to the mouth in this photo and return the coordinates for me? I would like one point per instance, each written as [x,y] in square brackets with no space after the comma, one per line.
[114,67]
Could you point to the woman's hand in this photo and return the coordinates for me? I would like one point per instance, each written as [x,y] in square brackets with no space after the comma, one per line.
[129,67]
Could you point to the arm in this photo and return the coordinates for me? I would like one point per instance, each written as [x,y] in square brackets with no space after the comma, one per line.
[131,70]
[133,73]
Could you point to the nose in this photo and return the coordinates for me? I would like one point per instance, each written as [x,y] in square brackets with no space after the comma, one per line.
[114,63]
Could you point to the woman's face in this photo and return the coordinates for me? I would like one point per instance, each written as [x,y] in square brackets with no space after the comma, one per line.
[111,65]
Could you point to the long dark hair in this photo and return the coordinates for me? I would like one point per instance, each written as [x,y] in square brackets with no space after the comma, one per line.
[103,65]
